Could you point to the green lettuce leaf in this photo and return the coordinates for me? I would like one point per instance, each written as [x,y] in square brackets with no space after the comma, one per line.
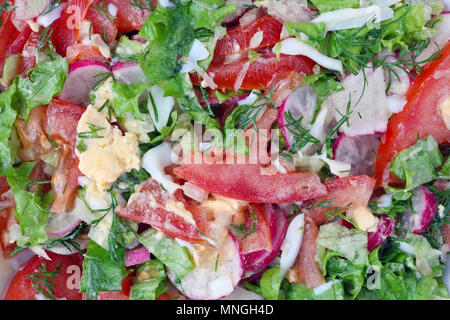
[445,171]
[333,290]
[100,273]
[330,5]
[152,287]
[30,206]
[8,116]
[270,283]
[126,98]
[175,257]
[416,165]
[350,243]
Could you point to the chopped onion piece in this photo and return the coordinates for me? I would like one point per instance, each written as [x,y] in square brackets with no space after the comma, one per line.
[354,18]
[50,17]
[293,47]
[162,104]
[291,244]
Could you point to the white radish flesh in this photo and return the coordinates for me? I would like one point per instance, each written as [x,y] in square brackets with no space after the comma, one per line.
[424,204]
[128,72]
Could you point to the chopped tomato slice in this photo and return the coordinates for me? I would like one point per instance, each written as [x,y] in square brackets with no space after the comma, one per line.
[257,231]
[15,45]
[148,205]
[130,17]
[101,23]
[260,74]
[342,192]
[79,52]
[307,269]
[420,116]
[62,121]
[28,59]
[262,32]
[65,283]
[65,29]
[247,182]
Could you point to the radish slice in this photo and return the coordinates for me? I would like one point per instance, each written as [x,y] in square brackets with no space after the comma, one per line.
[29,9]
[136,256]
[424,204]
[213,278]
[128,72]
[62,250]
[259,260]
[300,103]
[359,151]
[384,229]
[291,244]
[242,294]
[83,75]
[61,224]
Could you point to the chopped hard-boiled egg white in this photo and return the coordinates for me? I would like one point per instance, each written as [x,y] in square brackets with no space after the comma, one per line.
[444,108]
[155,160]
[197,53]
[363,218]
[159,106]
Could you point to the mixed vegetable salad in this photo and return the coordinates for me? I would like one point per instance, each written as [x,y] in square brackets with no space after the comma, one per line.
[220,149]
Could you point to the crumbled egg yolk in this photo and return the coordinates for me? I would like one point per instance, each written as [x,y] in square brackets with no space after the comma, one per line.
[444,107]
[363,218]
[231,207]
[107,153]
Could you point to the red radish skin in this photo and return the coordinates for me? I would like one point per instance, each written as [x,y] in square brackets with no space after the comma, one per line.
[384,229]
[136,256]
[83,75]
[424,204]
[62,224]
[260,260]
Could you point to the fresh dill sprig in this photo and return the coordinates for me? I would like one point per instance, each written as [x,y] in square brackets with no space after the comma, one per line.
[104,35]
[330,134]
[43,36]
[205,97]
[301,135]
[67,241]
[92,133]
[252,229]
[107,104]
[52,6]
[42,281]
[434,232]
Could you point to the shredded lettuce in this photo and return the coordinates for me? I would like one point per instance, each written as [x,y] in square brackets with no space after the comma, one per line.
[126,98]
[333,290]
[7,119]
[30,209]
[416,165]
[270,283]
[100,273]
[330,5]
[175,257]
[150,282]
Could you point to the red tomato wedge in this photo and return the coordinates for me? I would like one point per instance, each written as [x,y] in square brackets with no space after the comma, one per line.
[62,121]
[65,29]
[342,192]
[420,116]
[307,269]
[28,59]
[260,74]
[78,52]
[148,205]
[65,283]
[130,17]
[265,31]
[257,232]
[102,24]
[246,182]
[15,45]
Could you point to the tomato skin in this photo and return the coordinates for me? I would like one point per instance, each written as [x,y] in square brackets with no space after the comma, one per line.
[100,23]
[262,73]
[261,238]
[129,17]
[78,52]
[20,288]
[239,38]
[420,116]
[306,267]
[62,121]
[252,186]
[28,59]
[141,209]
[16,45]
[65,29]
[355,190]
